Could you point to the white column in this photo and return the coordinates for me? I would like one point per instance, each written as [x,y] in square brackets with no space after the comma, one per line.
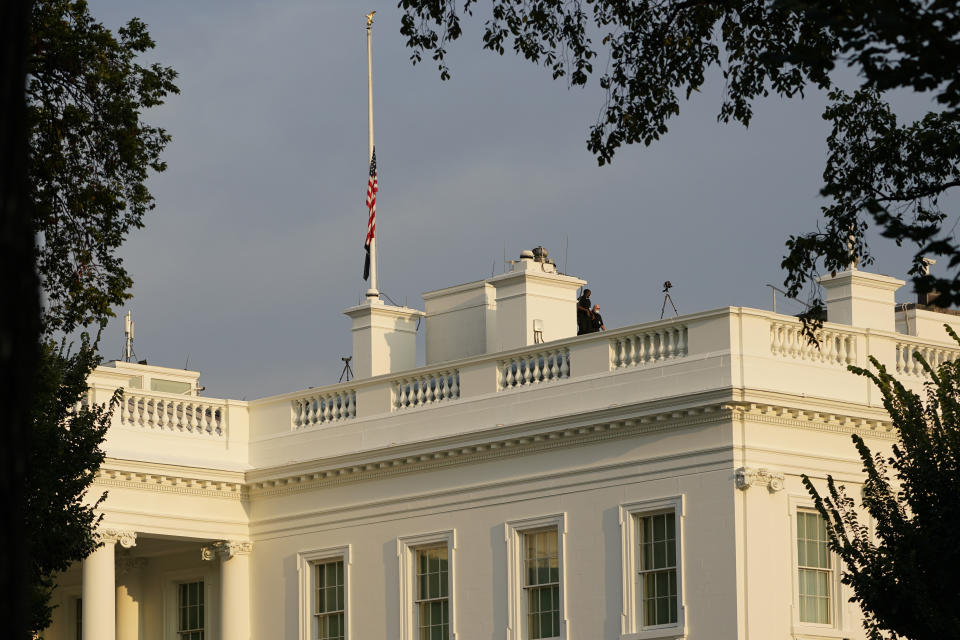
[99,585]
[234,587]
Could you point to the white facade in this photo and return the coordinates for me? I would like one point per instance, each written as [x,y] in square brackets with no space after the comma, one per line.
[499,449]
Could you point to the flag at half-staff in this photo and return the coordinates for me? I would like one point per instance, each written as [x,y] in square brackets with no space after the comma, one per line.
[372,189]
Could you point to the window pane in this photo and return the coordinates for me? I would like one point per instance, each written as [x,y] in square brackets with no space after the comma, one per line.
[659,527]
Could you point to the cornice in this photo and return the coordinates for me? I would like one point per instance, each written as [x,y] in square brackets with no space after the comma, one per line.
[492,449]
[517,440]
[171,482]
[797,418]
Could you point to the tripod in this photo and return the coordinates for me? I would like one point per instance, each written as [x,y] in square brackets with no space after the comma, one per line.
[666,299]
[347,371]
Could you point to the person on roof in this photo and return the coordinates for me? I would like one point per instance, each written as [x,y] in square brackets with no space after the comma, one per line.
[597,319]
[585,313]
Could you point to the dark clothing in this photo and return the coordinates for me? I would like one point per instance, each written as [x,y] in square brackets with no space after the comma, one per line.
[597,321]
[584,316]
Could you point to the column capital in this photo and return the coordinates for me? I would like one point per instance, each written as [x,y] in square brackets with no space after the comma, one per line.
[225,549]
[126,537]
[745,478]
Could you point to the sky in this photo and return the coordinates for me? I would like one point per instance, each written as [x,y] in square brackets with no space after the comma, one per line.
[256,244]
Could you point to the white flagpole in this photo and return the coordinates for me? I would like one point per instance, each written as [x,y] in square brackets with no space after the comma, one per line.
[372,292]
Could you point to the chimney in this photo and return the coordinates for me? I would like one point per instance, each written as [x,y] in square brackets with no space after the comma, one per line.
[861,299]
[384,338]
[534,303]
[529,304]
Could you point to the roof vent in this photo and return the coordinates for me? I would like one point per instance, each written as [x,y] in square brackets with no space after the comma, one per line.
[526,254]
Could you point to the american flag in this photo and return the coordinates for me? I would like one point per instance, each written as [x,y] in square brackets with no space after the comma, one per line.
[372,189]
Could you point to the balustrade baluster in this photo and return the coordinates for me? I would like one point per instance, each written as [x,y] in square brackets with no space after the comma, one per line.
[306,408]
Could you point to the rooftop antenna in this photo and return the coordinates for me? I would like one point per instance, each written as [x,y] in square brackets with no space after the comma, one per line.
[566,250]
[128,353]
[347,371]
[666,298]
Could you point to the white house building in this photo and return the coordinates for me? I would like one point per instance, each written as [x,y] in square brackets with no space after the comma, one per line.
[638,483]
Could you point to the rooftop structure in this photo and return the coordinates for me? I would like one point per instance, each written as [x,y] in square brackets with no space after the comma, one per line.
[638,483]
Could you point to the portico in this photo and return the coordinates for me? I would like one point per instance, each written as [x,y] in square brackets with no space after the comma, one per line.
[142,586]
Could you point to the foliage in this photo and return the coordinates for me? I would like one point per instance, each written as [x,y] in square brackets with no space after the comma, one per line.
[90,155]
[19,324]
[659,51]
[64,457]
[903,572]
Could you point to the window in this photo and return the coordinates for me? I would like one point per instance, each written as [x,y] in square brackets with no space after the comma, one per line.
[541,568]
[324,593]
[651,533]
[329,600]
[78,616]
[425,572]
[535,585]
[432,602]
[657,573]
[190,617]
[170,386]
[814,569]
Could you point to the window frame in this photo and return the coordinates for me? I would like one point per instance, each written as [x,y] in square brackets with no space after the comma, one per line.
[631,617]
[835,628]
[307,562]
[514,531]
[407,547]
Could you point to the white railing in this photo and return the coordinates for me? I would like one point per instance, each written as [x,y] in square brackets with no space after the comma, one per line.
[655,345]
[832,346]
[534,368]
[426,389]
[323,407]
[907,364]
[188,414]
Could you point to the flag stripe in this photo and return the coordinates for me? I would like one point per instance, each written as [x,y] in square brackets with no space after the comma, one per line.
[372,188]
